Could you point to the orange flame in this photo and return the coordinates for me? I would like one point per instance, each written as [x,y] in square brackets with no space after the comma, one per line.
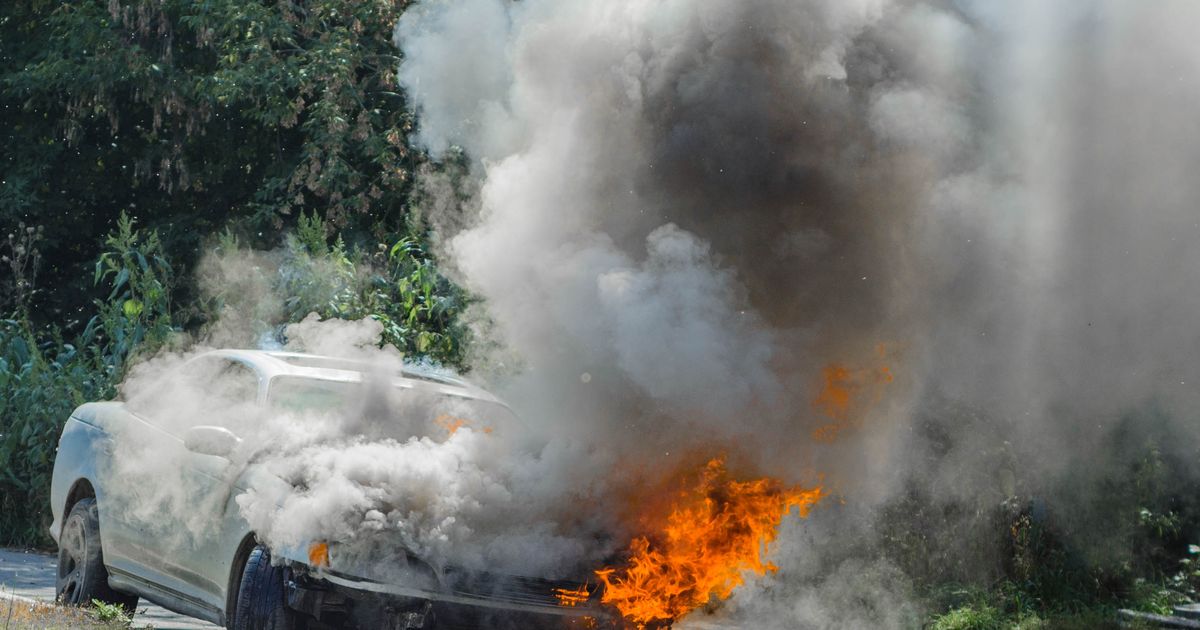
[318,554]
[451,424]
[571,597]
[847,394]
[715,533]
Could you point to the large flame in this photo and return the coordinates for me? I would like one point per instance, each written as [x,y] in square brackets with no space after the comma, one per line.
[715,533]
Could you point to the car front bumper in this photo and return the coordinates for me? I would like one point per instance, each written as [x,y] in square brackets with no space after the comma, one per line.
[481,601]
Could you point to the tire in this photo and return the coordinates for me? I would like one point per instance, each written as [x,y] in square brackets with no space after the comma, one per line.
[261,600]
[81,576]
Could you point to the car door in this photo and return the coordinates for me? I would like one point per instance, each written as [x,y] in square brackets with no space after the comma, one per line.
[172,503]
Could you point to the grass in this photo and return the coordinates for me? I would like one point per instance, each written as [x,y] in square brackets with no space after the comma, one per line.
[19,614]
[986,617]
[1005,607]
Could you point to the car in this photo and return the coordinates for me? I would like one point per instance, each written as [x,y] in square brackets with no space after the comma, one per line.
[117,542]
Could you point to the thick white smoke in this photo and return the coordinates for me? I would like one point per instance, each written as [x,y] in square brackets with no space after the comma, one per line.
[376,469]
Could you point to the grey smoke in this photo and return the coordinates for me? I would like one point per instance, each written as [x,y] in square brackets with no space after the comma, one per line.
[377,474]
[701,202]
[686,200]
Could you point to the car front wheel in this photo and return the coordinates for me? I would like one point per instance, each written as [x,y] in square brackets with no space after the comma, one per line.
[261,601]
[81,576]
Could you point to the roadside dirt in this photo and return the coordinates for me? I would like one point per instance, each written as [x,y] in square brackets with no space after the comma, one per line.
[31,575]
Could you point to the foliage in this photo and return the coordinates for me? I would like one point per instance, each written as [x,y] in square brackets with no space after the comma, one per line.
[1186,580]
[193,116]
[41,381]
[397,284]
[43,378]
[985,616]
[276,121]
[981,616]
[425,320]
[19,253]
[136,315]
[111,613]
[1053,552]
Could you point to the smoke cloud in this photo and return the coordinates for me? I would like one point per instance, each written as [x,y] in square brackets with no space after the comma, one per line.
[932,249]
[380,470]
[687,209]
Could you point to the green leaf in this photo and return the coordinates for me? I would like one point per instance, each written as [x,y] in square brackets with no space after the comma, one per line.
[424,341]
[122,278]
[100,267]
[132,308]
[20,350]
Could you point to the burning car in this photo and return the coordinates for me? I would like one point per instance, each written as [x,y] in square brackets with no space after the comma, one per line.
[198,555]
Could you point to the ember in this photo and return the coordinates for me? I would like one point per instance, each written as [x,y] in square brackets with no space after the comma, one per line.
[715,533]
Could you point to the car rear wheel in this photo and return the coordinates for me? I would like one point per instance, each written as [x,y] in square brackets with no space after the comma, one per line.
[81,576]
[261,598]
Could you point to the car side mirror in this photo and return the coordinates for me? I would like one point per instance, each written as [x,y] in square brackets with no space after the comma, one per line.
[209,440]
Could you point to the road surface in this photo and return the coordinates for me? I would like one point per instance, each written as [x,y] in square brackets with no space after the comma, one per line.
[31,574]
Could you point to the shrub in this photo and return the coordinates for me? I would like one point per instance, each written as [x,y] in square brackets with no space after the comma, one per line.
[970,617]
[43,378]
[40,383]
[397,284]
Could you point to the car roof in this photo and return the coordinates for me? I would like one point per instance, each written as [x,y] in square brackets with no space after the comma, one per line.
[270,364]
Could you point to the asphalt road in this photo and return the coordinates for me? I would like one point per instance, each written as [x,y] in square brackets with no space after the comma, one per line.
[31,574]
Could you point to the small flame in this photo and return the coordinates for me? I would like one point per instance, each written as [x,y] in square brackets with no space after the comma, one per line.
[571,597]
[716,532]
[318,554]
[847,394]
[451,424]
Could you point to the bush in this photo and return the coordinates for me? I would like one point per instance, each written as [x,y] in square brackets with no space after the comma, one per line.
[43,378]
[1035,550]
[397,284]
[40,383]
[971,617]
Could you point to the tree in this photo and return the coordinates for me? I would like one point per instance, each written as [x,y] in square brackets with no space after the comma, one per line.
[194,117]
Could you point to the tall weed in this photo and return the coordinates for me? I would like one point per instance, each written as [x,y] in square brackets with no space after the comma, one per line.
[43,377]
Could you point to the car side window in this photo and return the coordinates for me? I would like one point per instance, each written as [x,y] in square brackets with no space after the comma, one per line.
[207,390]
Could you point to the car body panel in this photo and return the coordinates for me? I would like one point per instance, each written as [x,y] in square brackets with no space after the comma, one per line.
[75,461]
[196,584]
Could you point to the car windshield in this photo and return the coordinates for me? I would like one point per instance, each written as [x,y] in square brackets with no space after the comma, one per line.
[300,395]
